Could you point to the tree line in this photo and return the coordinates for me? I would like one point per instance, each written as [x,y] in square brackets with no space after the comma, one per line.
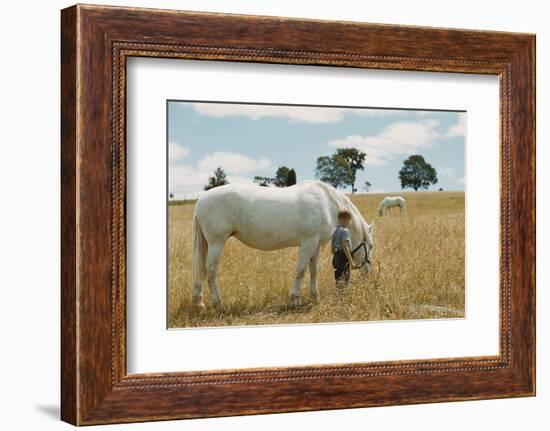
[284,177]
[340,170]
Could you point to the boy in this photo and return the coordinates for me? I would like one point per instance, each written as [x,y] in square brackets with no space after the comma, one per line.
[342,260]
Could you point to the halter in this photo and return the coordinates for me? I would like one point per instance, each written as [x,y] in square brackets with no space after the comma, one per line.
[363,244]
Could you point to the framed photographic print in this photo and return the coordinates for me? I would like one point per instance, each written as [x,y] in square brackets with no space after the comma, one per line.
[279,215]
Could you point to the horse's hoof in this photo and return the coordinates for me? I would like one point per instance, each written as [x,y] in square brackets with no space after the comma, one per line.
[295,301]
[199,306]
[314,297]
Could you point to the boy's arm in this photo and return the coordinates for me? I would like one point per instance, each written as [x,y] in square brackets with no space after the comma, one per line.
[347,252]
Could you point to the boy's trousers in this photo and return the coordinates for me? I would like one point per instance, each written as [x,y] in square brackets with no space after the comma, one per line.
[341,267]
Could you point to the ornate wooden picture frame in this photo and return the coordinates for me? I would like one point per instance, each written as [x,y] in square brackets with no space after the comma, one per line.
[96,41]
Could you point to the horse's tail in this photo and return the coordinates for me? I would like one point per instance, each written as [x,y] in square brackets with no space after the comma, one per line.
[200,248]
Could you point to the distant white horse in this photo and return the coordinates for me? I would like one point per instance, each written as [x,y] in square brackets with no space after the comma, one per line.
[390,202]
[266,218]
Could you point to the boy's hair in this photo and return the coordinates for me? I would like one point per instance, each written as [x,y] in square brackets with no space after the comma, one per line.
[344,214]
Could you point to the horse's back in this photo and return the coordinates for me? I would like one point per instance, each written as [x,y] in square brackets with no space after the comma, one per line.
[264,217]
[393,199]
[247,196]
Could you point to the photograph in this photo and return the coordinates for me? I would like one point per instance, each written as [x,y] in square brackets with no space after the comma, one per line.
[284,214]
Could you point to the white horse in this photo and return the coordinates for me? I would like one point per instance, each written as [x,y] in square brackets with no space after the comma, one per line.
[390,202]
[266,218]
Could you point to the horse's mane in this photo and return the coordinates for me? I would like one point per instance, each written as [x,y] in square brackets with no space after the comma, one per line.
[342,202]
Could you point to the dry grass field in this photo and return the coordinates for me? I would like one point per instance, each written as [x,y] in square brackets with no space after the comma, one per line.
[418,271]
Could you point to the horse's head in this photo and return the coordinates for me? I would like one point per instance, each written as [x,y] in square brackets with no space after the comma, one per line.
[363,244]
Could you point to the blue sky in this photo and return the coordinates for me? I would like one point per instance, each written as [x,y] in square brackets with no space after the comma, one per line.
[249,140]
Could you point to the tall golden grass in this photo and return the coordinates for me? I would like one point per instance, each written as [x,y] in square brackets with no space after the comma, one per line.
[418,271]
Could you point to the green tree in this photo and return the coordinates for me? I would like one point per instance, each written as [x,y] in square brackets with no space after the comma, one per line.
[218,179]
[355,159]
[264,181]
[284,177]
[416,173]
[291,178]
[281,176]
[367,186]
[333,169]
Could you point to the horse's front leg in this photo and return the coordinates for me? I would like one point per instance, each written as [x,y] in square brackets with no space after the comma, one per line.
[313,268]
[307,249]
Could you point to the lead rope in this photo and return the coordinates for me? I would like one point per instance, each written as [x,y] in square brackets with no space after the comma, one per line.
[364,245]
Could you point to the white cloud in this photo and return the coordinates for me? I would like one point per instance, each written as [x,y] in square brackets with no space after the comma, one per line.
[447,171]
[294,113]
[459,129]
[232,163]
[186,181]
[177,152]
[238,179]
[303,114]
[401,138]
[461,180]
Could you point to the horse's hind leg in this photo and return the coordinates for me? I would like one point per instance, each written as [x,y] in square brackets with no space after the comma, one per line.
[313,267]
[197,295]
[307,249]
[212,260]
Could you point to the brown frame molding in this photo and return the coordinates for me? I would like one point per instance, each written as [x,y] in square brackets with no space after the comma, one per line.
[95,43]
